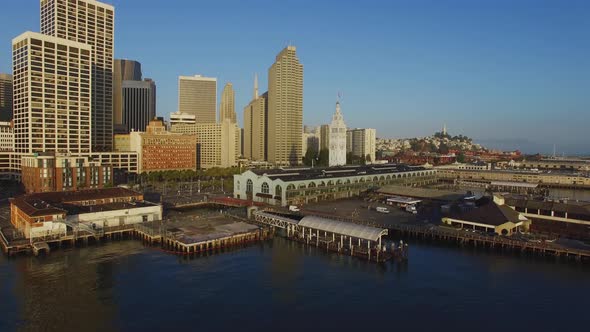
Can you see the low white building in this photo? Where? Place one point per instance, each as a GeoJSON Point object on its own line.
{"type": "Point", "coordinates": [58, 213]}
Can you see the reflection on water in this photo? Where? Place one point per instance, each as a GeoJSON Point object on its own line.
{"type": "Point", "coordinates": [122, 286]}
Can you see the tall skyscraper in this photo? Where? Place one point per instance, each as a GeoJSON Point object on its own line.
{"type": "Point", "coordinates": [139, 106]}
{"type": "Point", "coordinates": [285, 109]}
{"type": "Point", "coordinates": [124, 70]}
{"type": "Point", "coordinates": [198, 95]}
{"type": "Point", "coordinates": [255, 129]}
{"type": "Point", "coordinates": [5, 97]}
{"type": "Point", "coordinates": [52, 94]}
{"type": "Point", "coordinates": [337, 144]}
{"type": "Point", "coordinates": [90, 22]}
{"type": "Point", "coordinates": [255, 122]}
{"type": "Point", "coordinates": [227, 109]}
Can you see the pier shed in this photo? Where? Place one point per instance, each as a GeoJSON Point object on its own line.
{"type": "Point", "coordinates": [491, 217]}
{"type": "Point", "coordinates": [338, 235]}
{"type": "Point", "coordinates": [342, 228]}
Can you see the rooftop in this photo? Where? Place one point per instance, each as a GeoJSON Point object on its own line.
{"type": "Point", "coordinates": [61, 202]}
{"type": "Point", "coordinates": [580, 208]}
{"type": "Point", "coordinates": [303, 173]}
{"type": "Point", "coordinates": [490, 214]}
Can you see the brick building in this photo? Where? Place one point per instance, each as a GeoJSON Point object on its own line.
{"type": "Point", "coordinates": [159, 149]}
{"type": "Point", "coordinates": [47, 172]}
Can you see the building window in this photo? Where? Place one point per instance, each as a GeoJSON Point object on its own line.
{"type": "Point", "coordinates": [249, 186]}
{"type": "Point", "coordinates": [278, 191]}
{"type": "Point", "coordinates": [265, 189]}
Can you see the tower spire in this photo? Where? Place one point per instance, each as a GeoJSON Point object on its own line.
{"type": "Point", "coordinates": [255, 85]}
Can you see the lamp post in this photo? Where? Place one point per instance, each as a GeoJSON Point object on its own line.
{"type": "Point", "coordinates": [312, 160]}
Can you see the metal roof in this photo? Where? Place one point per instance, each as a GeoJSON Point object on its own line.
{"type": "Point", "coordinates": [514, 184]}
{"type": "Point", "coordinates": [306, 173]}
{"type": "Point", "coordinates": [343, 228]}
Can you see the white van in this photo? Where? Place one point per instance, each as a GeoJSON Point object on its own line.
{"type": "Point", "coordinates": [293, 208]}
{"type": "Point", "coordinates": [382, 209]}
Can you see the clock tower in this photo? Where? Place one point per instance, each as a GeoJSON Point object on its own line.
{"type": "Point", "coordinates": [337, 139]}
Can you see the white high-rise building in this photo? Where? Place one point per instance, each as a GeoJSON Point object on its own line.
{"type": "Point", "coordinates": [337, 143]}
{"type": "Point", "coordinates": [92, 23]}
{"type": "Point", "coordinates": [52, 94]}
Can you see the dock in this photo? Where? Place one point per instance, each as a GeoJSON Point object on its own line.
{"type": "Point", "coordinates": [190, 238]}
{"type": "Point", "coordinates": [435, 233]}
{"type": "Point", "coordinates": [181, 236]}
{"type": "Point", "coordinates": [334, 235]}
{"type": "Point", "coordinates": [493, 242]}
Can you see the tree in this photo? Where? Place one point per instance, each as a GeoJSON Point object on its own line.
{"type": "Point", "coordinates": [310, 155]}
{"type": "Point", "coordinates": [349, 158]}
{"type": "Point", "coordinates": [461, 157]}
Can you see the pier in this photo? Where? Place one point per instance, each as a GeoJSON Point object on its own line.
{"type": "Point", "coordinates": [334, 235]}
{"type": "Point", "coordinates": [188, 238]}
{"type": "Point", "coordinates": [462, 238]}
{"type": "Point", "coordinates": [492, 242]}
{"type": "Point", "coordinates": [181, 237]}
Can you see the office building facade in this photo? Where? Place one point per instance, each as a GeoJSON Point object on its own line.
{"type": "Point", "coordinates": [197, 95]}
{"type": "Point", "coordinates": [5, 97]}
{"type": "Point", "coordinates": [217, 143]}
{"type": "Point", "coordinates": [255, 131]}
{"type": "Point", "coordinates": [124, 70]}
{"type": "Point", "coordinates": [285, 109]}
{"type": "Point", "coordinates": [52, 94]}
{"type": "Point", "coordinates": [227, 108]}
{"type": "Point", "coordinates": [139, 104]}
{"type": "Point", "coordinates": [6, 136]}
{"type": "Point", "coordinates": [90, 22]}
{"type": "Point", "coordinates": [361, 143]}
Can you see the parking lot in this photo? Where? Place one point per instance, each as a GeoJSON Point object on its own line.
{"type": "Point", "coordinates": [357, 208]}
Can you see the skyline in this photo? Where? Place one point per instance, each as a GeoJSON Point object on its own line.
{"type": "Point", "coordinates": [521, 70]}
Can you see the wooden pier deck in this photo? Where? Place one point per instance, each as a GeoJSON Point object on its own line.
{"type": "Point", "coordinates": [494, 242]}
{"type": "Point", "coordinates": [178, 237]}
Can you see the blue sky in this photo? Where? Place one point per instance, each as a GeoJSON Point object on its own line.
{"type": "Point", "coordinates": [511, 74]}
